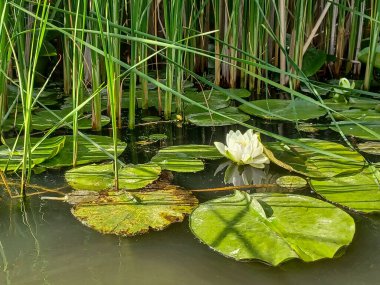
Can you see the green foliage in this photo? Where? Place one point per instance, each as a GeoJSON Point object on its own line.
{"type": "Point", "coordinates": [92, 149]}
{"type": "Point", "coordinates": [313, 60]}
{"type": "Point", "coordinates": [359, 192]}
{"type": "Point", "coordinates": [11, 155]}
{"type": "Point", "coordinates": [286, 110]}
{"type": "Point", "coordinates": [313, 164]}
{"type": "Point", "coordinates": [132, 213]}
{"type": "Point", "coordinates": [272, 228]}
{"type": "Point", "coordinates": [185, 158]}
{"type": "Point", "coordinates": [101, 177]}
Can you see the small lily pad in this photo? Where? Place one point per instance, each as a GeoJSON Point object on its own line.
{"type": "Point", "coordinates": [360, 192]}
{"type": "Point", "coordinates": [288, 110]}
{"type": "Point", "coordinates": [87, 151]}
{"type": "Point", "coordinates": [370, 147]}
{"type": "Point", "coordinates": [208, 119]}
{"type": "Point", "coordinates": [242, 93]}
{"type": "Point", "coordinates": [313, 164]}
{"type": "Point", "coordinates": [185, 158]}
{"type": "Point", "coordinates": [101, 177]}
{"type": "Point", "coordinates": [47, 149]}
{"type": "Point", "coordinates": [291, 182]}
{"type": "Point", "coordinates": [128, 214]}
{"type": "Point", "coordinates": [272, 228]}
{"type": "Point", "coordinates": [359, 130]}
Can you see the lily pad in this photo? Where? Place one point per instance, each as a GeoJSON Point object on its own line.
{"type": "Point", "coordinates": [242, 93]}
{"type": "Point", "coordinates": [370, 147]}
{"type": "Point", "coordinates": [44, 120]}
{"type": "Point", "coordinates": [360, 192]}
{"type": "Point", "coordinates": [207, 120]}
{"type": "Point", "coordinates": [185, 158]}
{"type": "Point", "coordinates": [313, 164]}
{"type": "Point", "coordinates": [87, 151]}
{"type": "Point", "coordinates": [291, 182]}
{"type": "Point", "coordinates": [129, 214]}
{"type": "Point", "coordinates": [101, 177]}
{"type": "Point", "coordinates": [214, 101]}
{"type": "Point", "coordinates": [287, 110]}
{"type": "Point", "coordinates": [358, 114]}
{"type": "Point", "coordinates": [349, 128]}
{"type": "Point", "coordinates": [47, 149]}
{"type": "Point", "coordinates": [272, 228]}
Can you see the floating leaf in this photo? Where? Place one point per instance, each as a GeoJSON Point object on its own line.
{"type": "Point", "coordinates": [242, 93]}
{"type": "Point", "coordinates": [206, 119]}
{"type": "Point", "coordinates": [349, 128]}
{"type": "Point", "coordinates": [44, 120]}
{"type": "Point", "coordinates": [129, 214]}
{"type": "Point", "coordinates": [370, 147]}
{"type": "Point", "coordinates": [87, 151]}
{"type": "Point", "coordinates": [290, 110]}
{"type": "Point", "coordinates": [185, 158]}
{"type": "Point", "coordinates": [313, 164]}
{"type": "Point", "coordinates": [47, 149]}
{"type": "Point", "coordinates": [293, 227]}
{"type": "Point", "coordinates": [358, 114]}
{"type": "Point", "coordinates": [101, 177]}
{"type": "Point", "coordinates": [214, 101]}
{"type": "Point", "coordinates": [360, 191]}
{"type": "Point", "coordinates": [291, 182]}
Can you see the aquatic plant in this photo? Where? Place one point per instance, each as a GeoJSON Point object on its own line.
{"type": "Point", "coordinates": [244, 149]}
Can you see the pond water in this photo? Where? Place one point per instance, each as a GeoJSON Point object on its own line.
{"type": "Point", "coordinates": [42, 243]}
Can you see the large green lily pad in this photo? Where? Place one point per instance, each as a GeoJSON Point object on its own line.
{"type": "Point", "coordinates": [287, 110]}
{"type": "Point", "coordinates": [87, 151]}
{"type": "Point", "coordinates": [207, 119]}
{"type": "Point", "coordinates": [47, 149]}
{"type": "Point", "coordinates": [44, 120]}
{"type": "Point", "coordinates": [101, 177]}
{"type": "Point", "coordinates": [360, 192]}
{"type": "Point", "coordinates": [314, 164]}
{"type": "Point", "coordinates": [129, 214]}
{"type": "Point", "coordinates": [185, 158]}
{"type": "Point", "coordinates": [272, 228]}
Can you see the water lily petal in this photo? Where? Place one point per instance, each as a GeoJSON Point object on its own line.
{"type": "Point", "coordinates": [221, 148]}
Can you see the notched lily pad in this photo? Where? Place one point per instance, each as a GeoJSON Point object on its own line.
{"type": "Point", "coordinates": [87, 152]}
{"type": "Point", "coordinates": [128, 214]}
{"type": "Point", "coordinates": [286, 110]}
{"type": "Point", "coordinates": [313, 164]}
{"type": "Point", "coordinates": [291, 227]}
{"type": "Point", "coordinates": [360, 192]}
{"type": "Point", "coordinates": [185, 158]}
{"type": "Point", "coordinates": [11, 160]}
{"type": "Point", "coordinates": [206, 119]}
{"type": "Point", "coordinates": [101, 177]}
{"type": "Point", "coordinates": [370, 147]}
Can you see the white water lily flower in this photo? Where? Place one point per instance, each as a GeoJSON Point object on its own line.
{"type": "Point", "coordinates": [244, 149]}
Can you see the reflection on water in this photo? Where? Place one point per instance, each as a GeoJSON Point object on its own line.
{"type": "Point", "coordinates": [239, 175]}
{"type": "Point", "coordinates": [42, 243]}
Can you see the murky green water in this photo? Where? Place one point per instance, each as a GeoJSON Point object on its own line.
{"type": "Point", "coordinates": [42, 243]}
